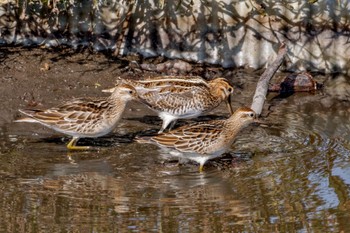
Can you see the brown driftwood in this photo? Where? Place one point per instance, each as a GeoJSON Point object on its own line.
{"type": "Point", "coordinates": [263, 83]}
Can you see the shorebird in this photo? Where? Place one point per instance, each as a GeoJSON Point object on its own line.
{"type": "Point", "coordinates": [92, 117]}
{"type": "Point", "coordinates": [174, 97]}
{"type": "Point", "coordinates": [202, 141]}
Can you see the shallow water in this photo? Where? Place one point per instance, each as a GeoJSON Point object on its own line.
{"type": "Point", "coordinates": [290, 175]}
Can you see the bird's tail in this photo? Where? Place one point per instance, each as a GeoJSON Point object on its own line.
{"type": "Point", "coordinates": [28, 118]}
{"type": "Point", "coordinates": [143, 139]}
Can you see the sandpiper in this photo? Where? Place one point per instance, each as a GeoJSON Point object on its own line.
{"type": "Point", "coordinates": [174, 97]}
{"type": "Point", "coordinates": [92, 117]}
{"type": "Point", "coordinates": [202, 141]}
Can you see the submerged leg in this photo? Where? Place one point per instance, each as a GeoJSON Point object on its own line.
{"type": "Point", "coordinates": [71, 145]}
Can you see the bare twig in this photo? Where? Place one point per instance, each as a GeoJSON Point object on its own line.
{"type": "Point", "coordinates": [263, 83]}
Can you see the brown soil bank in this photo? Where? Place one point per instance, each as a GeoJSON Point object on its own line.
{"type": "Point", "coordinates": [34, 77]}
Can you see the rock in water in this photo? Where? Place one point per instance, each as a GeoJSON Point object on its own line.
{"type": "Point", "coordinates": [302, 82]}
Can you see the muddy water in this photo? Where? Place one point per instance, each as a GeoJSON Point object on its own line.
{"type": "Point", "coordinates": [291, 175]}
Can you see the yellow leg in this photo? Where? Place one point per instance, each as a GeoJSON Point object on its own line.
{"type": "Point", "coordinates": [71, 145]}
{"type": "Point", "coordinates": [201, 168]}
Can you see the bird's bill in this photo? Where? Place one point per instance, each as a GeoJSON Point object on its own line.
{"type": "Point", "coordinates": [142, 100]}
{"type": "Point", "coordinates": [260, 122]}
{"type": "Point", "coordinates": [110, 90]}
{"type": "Point", "coordinates": [228, 104]}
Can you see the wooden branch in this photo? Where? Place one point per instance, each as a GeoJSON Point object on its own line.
{"type": "Point", "coordinates": [263, 83]}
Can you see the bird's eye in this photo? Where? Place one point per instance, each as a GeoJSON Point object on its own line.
{"type": "Point", "coordinates": [230, 89]}
{"type": "Point", "coordinates": [251, 114]}
{"type": "Point", "coordinates": [131, 92]}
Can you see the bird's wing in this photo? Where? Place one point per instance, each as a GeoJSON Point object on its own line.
{"type": "Point", "coordinates": [191, 138]}
{"type": "Point", "coordinates": [158, 83]}
{"type": "Point", "coordinates": [172, 80]}
{"type": "Point", "coordinates": [171, 99]}
{"type": "Point", "coordinates": [70, 115]}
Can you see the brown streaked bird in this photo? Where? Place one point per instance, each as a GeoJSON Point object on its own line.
{"type": "Point", "coordinates": [174, 97]}
{"type": "Point", "coordinates": [86, 117]}
{"type": "Point", "coordinates": [202, 141]}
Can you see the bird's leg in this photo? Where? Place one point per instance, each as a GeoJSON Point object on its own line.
{"type": "Point", "coordinates": [201, 165]}
{"type": "Point", "coordinates": [161, 131]}
{"type": "Point", "coordinates": [164, 125]}
{"type": "Point", "coordinates": [172, 125]}
{"type": "Point", "coordinates": [72, 145]}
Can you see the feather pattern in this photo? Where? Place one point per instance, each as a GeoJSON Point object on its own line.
{"type": "Point", "coordinates": [86, 117]}
{"type": "Point", "coordinates": [197, 137]}
{"type": "Point", "coordinates": [204, 140]}
{"type": "Point", "coordinates": [181, 97]}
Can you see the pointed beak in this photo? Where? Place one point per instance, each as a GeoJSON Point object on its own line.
{"type": "Point", "coordinates": [260, 122]}
{"type": "Point", "coordinates": [142, 100]}
{"type": "Point", "coordinates": [110, 90]}
{"type": "Point", "coordinates": [228, 104]}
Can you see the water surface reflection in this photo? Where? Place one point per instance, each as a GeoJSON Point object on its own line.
{"type": "Point", "coordinates": [296, 177]}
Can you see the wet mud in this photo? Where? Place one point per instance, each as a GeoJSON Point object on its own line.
{"type": "Point", "coordinates": [290, 174]}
